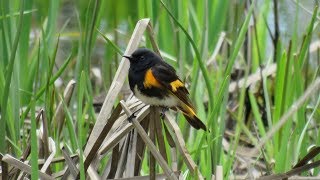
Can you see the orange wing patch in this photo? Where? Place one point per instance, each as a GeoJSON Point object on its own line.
{"type": "Point", "coordinates": [150, 81]}
{"type": "Point", "coordinates": [176, 84]}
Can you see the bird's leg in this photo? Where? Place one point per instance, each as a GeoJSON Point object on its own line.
{"type": "Point", "coordinates": [163, 112]}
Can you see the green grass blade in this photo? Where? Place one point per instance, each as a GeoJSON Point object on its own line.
{"type": "Point", "coordinates": [198, 56]}
{"type": "Point", "coordinates": [52, 80]}
{"type": "Point", "coordinates": [34, 143]}
{"type": "Point", "coordinates": [80, 120]}
{"type": "Point", "coordinates": [70, 126]}
{"type": "Point", "coordinates": [8, 74]}
{"type": "Point", "coordinates": [306, 42]}
{"type": "Point", "coordinates": [114, 46]}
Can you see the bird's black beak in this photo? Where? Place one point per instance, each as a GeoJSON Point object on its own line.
{"type": "Point", "coordinates": [128, 57]}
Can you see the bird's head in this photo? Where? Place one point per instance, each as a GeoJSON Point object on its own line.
{"type": "Point", "coordinates": [142, 56]}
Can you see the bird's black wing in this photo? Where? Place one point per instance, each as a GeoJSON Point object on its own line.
{"type": "Point", "coordinates": [166, 75]}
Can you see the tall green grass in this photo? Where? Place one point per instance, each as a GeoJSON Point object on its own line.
{"type": "Point", "coordinates": [34, 34]}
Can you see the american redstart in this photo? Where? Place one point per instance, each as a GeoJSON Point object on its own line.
{"type": "Point", "coordinates": [155, 82]}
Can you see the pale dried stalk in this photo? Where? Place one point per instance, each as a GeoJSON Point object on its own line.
{"type": "Point", "coordinates": [59, 115]}
{"type": "Point", "coordinates": [69, 161]}
{"type": "Point", "coordinates": [253, 78]}
{"type": "Point", "coordinates": [52, 149]}
{"type": "Point", "coordinates": [160, 137]}
{"type": "Point", "coordinates": [153, 39]}
{"type": "Point", "coordinates": [149, 144]}
{"type": "Point", "coordinates": [314, 88]}
{"type": "Point", "coordinates": [219, 173]}
{"type": "Point", "coordinates": [116, 85]}
{"type": "Point", "coordinates": [4, 169]}
{"type": "Point", "coordinates": [105, 130]}
{"type": "Point", "coordinates": [213, 57]}
{"type": "Point", "coordinates": [174, 159]}
{"type": "Point", "coordinates": [114, 140]}
{"type": "Point", "coordinates": [158, 177]}
{"type": "Point", "coordinates": [132, 154]}
{"type": "Point", "coordinates": [22, 166]}
{"type": "Point", "coordinates": [140, 149]}
{"type": "Point", "coordinates": [123, 158]}
{"type": "Point", "coordinates": [178, 138]}
{"type": "Point", "coordinates": [152, 161]}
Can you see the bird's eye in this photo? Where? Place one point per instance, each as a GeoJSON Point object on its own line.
{"type": "Point", "coordinates": [142, 58]}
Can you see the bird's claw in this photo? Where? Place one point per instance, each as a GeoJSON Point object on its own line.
{"type": "Point", "coordinates": [132, 116]}
{"type": "Point", "coordinates": [163, 112]}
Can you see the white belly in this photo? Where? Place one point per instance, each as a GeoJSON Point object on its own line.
{"type": "Point", "coordinates": [169, 101]}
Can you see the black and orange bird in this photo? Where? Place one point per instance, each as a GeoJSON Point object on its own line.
{"type": "Point", "coordinates": [155, 82]}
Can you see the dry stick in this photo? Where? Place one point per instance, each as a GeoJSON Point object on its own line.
{"type": "Point", "coordinates": [309, 92]}
{"type": "Point", "coordinates": [59, 115]}
{"type": "Point", "coordinates": [123, 157]}
{"type": "Point", "coordinates": [160, 138]}
{"type": "Point", "coordinates": [121, 123]}
{"type": "Point", "coordinates": [114, 162]}
{"type": "Point", "coordinates": [114, 140]}
{"type": "Point", "coordinates": [276, 28]}
{"type": "Point", "coordinates": [312, 154]}
{"type": "Point", "coordinates": [244, 177]}
{"type": "Point", "coordinates": [52, 148]}
{"type": "Point", "coordinates": [105, 130]}
{"type": "Point", "coordinates": [314, 46]}
{"type": "Point", "coordinates": [213, 57]}
{"type": "Point", "coordinates": [64, 174]}
{"type": "Point", "coordinates": [182, 145]}
{"type": "Point", "coordinates": [302, 166]}
{"type": "Point", "coordinates": [292, 172]}
{"type": "Point", "coordinates": [4, 169]}
{"type": "Point", "coordinates": [56, 160]}
{"type": "Point", "coordinates": [71, 165]}
{"type": "Point", "coordinates": [149, 143]}
{"type": "Point", "coordinates": [45, 140]}
{"type": "Point", "coordinates": [131, 154]}
{"type": "Point", "coordinates": [27, 151]}
{"type": "Point", "coordinates": [173, 149]}
{"type": "Point", "coordinates": [96, 145]}
{"type": "Point", "coordinates": [174, 159]}
{"type": "Point", "coordinates": [304, 8]}
{"type": "Point", "coordinates": [219, 173]}
{"type": "Point", "coordinates": [152, 162]}
{"type": "Point", "coordinates": [59, 174]}
{"type": "Point", "coordinates": [22, 166]}
{"type": "Point", "coordinates": [91, 172]}
{"type": "Point", "coordinates": [158, 176]}
{"type": "Point", "coordinates": [253, 78]}
{"type": "Point", "coordinates": [152, 39]}
{"type": "Point", "coordinates": [116, 85]}
{"type": "Point", "coordinates": [169, 137]}
{"type": "Point", "coordinates": [141, 146]}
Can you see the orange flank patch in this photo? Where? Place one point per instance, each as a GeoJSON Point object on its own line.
{"type": "Point", "coordinates": [176, 84]}
{"type": "Point", "coordinates": [150, 81]}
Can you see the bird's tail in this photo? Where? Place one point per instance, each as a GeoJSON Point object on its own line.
{"type": "Point", "coordinates": [191, 117]}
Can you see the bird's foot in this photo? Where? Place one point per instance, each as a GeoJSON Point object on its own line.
{"type": "Point", "coordinates": [163, 112]}
{"type": "Point", "coordinates": [131, 117]}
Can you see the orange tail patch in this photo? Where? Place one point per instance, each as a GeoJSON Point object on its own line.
{"type": "Point", "coordinates": [192, 118]}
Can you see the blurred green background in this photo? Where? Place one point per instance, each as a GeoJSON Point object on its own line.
{"type": "Point", "coordinates": [57, 40]}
